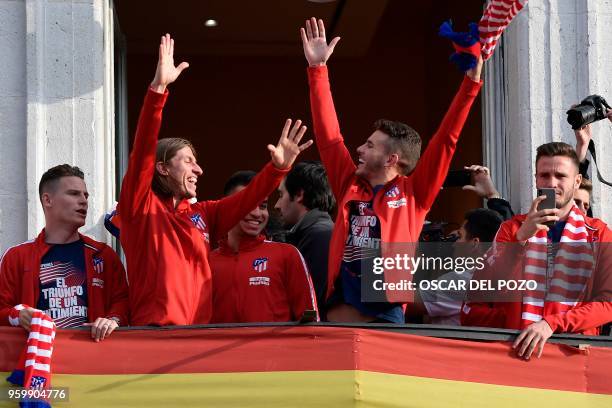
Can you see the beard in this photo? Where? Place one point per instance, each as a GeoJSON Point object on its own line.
{"type": "Point", "coordinates": [565, 200]}
{"type": "Point", "coordinates": [370, 169]}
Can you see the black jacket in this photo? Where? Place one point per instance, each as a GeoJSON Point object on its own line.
{"type": "Point", "coordinates": [311, 235]}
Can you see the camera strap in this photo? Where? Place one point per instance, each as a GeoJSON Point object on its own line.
{"type": "Point", "coordinates": [594, 155]}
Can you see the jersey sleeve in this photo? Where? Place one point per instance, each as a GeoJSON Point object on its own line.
{"type": "Point", "coordinates": [136, 186]}
{"type": "Point", "coordinates": [300, 290]}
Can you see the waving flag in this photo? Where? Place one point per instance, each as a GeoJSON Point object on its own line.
{"type": "Point", "coordinates": [482, 38]}
{"type": "Point", "coordinates": [497, 16]}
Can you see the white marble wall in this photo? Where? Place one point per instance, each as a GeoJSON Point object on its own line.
{"type": "Point", "coordinates": [557, 52]}
{"type": "Point", "coordinates": [60, 53]}
{"type": "Point", "coordinates": [13, 193]}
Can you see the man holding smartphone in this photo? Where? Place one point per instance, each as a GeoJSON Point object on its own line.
{"type": "Point", "coordinates": [558, 253]}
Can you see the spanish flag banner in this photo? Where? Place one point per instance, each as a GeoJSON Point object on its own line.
{"type": "Point", "coordinates": [311, 366]}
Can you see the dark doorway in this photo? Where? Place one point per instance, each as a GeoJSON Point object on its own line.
{"type": "Point", "coordinates": [247, 76]}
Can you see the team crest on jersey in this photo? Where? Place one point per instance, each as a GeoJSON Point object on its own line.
{"type": "Point", "coordinates": [393, 192]}
{"type": "Point", "coordinates": [260, 264]}
{"type": "Point", "coordinates": [200, 225]}
{"type": "Point", "coordinates": [98, 265]}
{"type": "Point", "coordinates": [198, 221]}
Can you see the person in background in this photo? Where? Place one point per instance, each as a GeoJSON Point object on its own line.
{"type": "Point", "coordinates": [305, 202]}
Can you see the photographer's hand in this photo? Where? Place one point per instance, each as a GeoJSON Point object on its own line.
{"type": "Point", "coordinates": [535, 220]}
{"type": "Point", "coordinates": [583, 137]}
{"type": "Point", "coordinates": [483, 185]}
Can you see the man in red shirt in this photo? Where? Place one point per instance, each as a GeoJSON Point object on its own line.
{"type": "Point", "coordinates": [165, 237]}
{"type": "Point", "coordinates": [70, 277]}
{"type": "Point", "coordinates": [385, 198]}
{"type": "Point", "coordinates": [561, 249]}
{"type": "Point", "coordinates": [255, 280]}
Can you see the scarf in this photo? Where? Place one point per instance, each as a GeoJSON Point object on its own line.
{"type": "Point", "coordinates": [34, 367]}
{"type": "Point", "coordinates": [562, 289]}
{"type": "Point", "coordinates": [481, 38]}
{"type": "Point", "coordinates": [497, 16]}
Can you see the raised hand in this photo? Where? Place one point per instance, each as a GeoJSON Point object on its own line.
{"type": "Point", "coordinates": [288, 147]}
{"type": "Point", "coordinates": [474, 73]}
{"type": "Point", "coordinates": [483, 185]}
{"type": "Point", "coordinates": [166, 72]}
{"type": "Point", "coordinates": [316, 49]}
{"type": "Point", "coordinates": [583, 137]}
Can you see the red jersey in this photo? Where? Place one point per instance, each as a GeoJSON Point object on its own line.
{"type": "Point", "coordinates": [167, 248]}
{"type": "Point", "coordinates": [402, 204]}
{"type": "Point", "coordinates": [263, 282]}
{"type": "Point", "coordinates": [584, 318]}
{"type": "Point", "coordinates": [107, 291]}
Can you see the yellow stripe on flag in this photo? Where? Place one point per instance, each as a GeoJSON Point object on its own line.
{"type": "Point", "coordinates": [304, 389]}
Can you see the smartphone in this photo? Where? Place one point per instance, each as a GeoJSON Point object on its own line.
{"type": "Point", "coordinates": [548, 203]}
{"type": "Point", "coordinates": [458, 178]}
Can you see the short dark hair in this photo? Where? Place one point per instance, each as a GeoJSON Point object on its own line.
{"type": "Point", "coordinates": [239, 178]}
{"type": "Point", "coordinates": [310, 177]}
{"type": "Point", "coordinates": [557, 149]}
{"type": "Point", "coordinates": [404, 140]}
{"type": "Point", "coordinates": [165, 151]}
{"type": "Point", "coordinates": [48, 181]}
{"type": "Point", "coordinates": [586, 185]}
{"type": "Point", "coordinates": [482, 223]}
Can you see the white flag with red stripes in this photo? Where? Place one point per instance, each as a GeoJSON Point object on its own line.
{"type": "Point", "coordinates": [497, 16]}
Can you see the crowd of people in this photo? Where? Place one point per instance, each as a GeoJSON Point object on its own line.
{"type": "Point", "coordinates": [191, 262]}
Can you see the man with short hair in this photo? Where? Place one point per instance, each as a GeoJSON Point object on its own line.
{"type": "Point", "coordinates": [573, 276]}
{"type": "Point", "coordinates": [582, 196]}
{"type": "Point", "coordinates": [70, 277]}
{"type": "Point", "coordinates": [385, 198]}
{"type": "Point", "coordinates": [304, 203]}
{"type": "Point", "coordinates": [255, 280]}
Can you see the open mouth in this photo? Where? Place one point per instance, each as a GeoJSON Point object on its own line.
{"type": "Point", "coordinates": [253, 222]}
{"type": "Point", "coordinates": [192, 180]}
{"type": "Point", "coordinates": [82, 212]}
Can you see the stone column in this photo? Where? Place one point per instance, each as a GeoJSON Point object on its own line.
{"type": "Point", "coordinates": [556, 53]}
{"type": "Point", "coordinates": [61, 83]}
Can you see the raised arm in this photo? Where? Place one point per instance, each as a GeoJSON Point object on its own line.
{"type": "Point", "coordinates": [334, 154]}
{"type": "Point", "coordinates": [136, 184]}
{"type": "Point", "coordinates": [226, 213]}
{"type": "Point", "coordinates": [433, 165]}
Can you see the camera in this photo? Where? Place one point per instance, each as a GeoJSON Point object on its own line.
{"type": "Point", "coordinates": [591, 109]}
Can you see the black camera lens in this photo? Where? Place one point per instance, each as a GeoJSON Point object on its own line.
{"type": "Point", "coordinates": [591, 109]}
{"type": "Point", "coordinates": [581, 115]}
